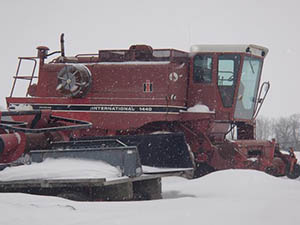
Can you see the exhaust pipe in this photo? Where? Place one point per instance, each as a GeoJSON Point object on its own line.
{"type": "Point", "coordinates": [62, 45]}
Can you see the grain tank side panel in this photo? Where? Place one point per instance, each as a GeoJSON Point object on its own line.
{"type": "Point", "coordinates": [121, 95]}
{"type": "Point", "coordinates": [131, 81]}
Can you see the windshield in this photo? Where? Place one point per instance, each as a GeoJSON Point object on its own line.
{"type": "Point", "coordinates": [248, 88]}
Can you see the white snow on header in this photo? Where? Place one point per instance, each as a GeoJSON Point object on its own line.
{"type": "Point", "coordinates": [199, 108]}
{"type": "Point", "coordinates": [61, 169]}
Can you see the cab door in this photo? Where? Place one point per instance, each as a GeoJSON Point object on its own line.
{"type": "Point", "coordinates": [201, 85]}
{"type": "Point", "coordinates": [228, 68]}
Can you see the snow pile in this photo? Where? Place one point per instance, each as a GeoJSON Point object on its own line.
{"type": "Point", "coordinates": [237, 184]}
{"type": "Point", "coordinates": [60, 169]}
{"type": "Point", "coordinates": [199, 108]}
{"type": "Point", "coordinates": [232, 197]}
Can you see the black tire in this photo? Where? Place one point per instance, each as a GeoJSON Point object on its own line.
{"type": "Point", "coordinates": [272, 171]}
{"type": "Point", "coordinates": [202, 169]}
{"type": "Point", "coordinates": [296, 172]}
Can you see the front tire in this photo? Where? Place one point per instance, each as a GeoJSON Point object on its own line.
{"type": "Point", "coordinates": [202, 169]}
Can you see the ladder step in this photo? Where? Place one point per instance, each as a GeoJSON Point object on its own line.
{"type": "Point", "coordinates": [25, 77]}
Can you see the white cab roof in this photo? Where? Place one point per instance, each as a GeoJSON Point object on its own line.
{"type": "Point", "coordinates": [254, 49]}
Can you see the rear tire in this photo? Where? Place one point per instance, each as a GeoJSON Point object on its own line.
{"type": "Point", "coordinates": [296, 172]}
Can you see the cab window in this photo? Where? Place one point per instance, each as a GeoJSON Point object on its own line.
{"type": "Point", "coordinates": [228, 66]}
{"type": "Point", "coordinates": [202, 69]}
{"type": "Point", "coordinates": [248, 88]}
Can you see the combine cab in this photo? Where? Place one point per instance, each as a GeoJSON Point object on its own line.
{"type": "Point", "coordinates": [176, 108]}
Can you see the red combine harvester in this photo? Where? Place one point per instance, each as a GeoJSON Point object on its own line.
{"type": "Point", "coordinates": [175, 107]}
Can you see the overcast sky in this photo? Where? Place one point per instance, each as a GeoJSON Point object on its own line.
{"type": "Point", "coordinates": [93, 25]}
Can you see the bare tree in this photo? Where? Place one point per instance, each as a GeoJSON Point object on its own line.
{"type": "Point", "coordinates": [264, 128]}
{"type": "Point", "coordinates": [286, 130]}
{"type": "Point", "coordinates": [283, 132]}
{"type": "Point", "coordinates": [294, 121]}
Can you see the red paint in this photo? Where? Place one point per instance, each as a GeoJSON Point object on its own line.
{"type": "Point", "coordinates": [132, 90]}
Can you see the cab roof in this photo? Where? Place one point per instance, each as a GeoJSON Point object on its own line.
{"type": "Point", "coordinates": [254, 49]}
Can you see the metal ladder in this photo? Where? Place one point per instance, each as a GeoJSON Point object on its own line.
{"type": "Point", "coordinates": [24, 77]}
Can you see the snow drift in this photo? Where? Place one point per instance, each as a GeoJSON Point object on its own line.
{"type": "Point", "coordinates": [232, 197]}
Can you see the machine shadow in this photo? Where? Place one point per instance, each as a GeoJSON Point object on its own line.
{"type": "Point", "coordinates": [176, 194]}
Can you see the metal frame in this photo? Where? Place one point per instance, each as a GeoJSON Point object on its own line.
{"type": "Point", "coordinates": [15, 126]}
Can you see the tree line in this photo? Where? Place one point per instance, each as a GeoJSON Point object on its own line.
{"type": "Point", "coordinates": [286, 130]}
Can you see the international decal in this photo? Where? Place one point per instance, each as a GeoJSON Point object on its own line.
{"type": "Point", "coordinates": [148, 86]}
{"type": "Point", "coordinates": [101, 108]}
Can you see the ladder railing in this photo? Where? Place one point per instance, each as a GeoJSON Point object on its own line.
{"type": "Point", "coordinates": [24, 77]}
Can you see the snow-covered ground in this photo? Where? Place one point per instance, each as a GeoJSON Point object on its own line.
{"type": "Point", "coordinates": [232, 197]}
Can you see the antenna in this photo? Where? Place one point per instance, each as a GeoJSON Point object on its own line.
{"type": "Point", "coordinates": [189, 35]}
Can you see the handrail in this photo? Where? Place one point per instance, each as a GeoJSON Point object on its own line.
{"type": "Point", "coordinates": [30, 78]}
{"type": "Point", "coordinates": [261, 99]}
